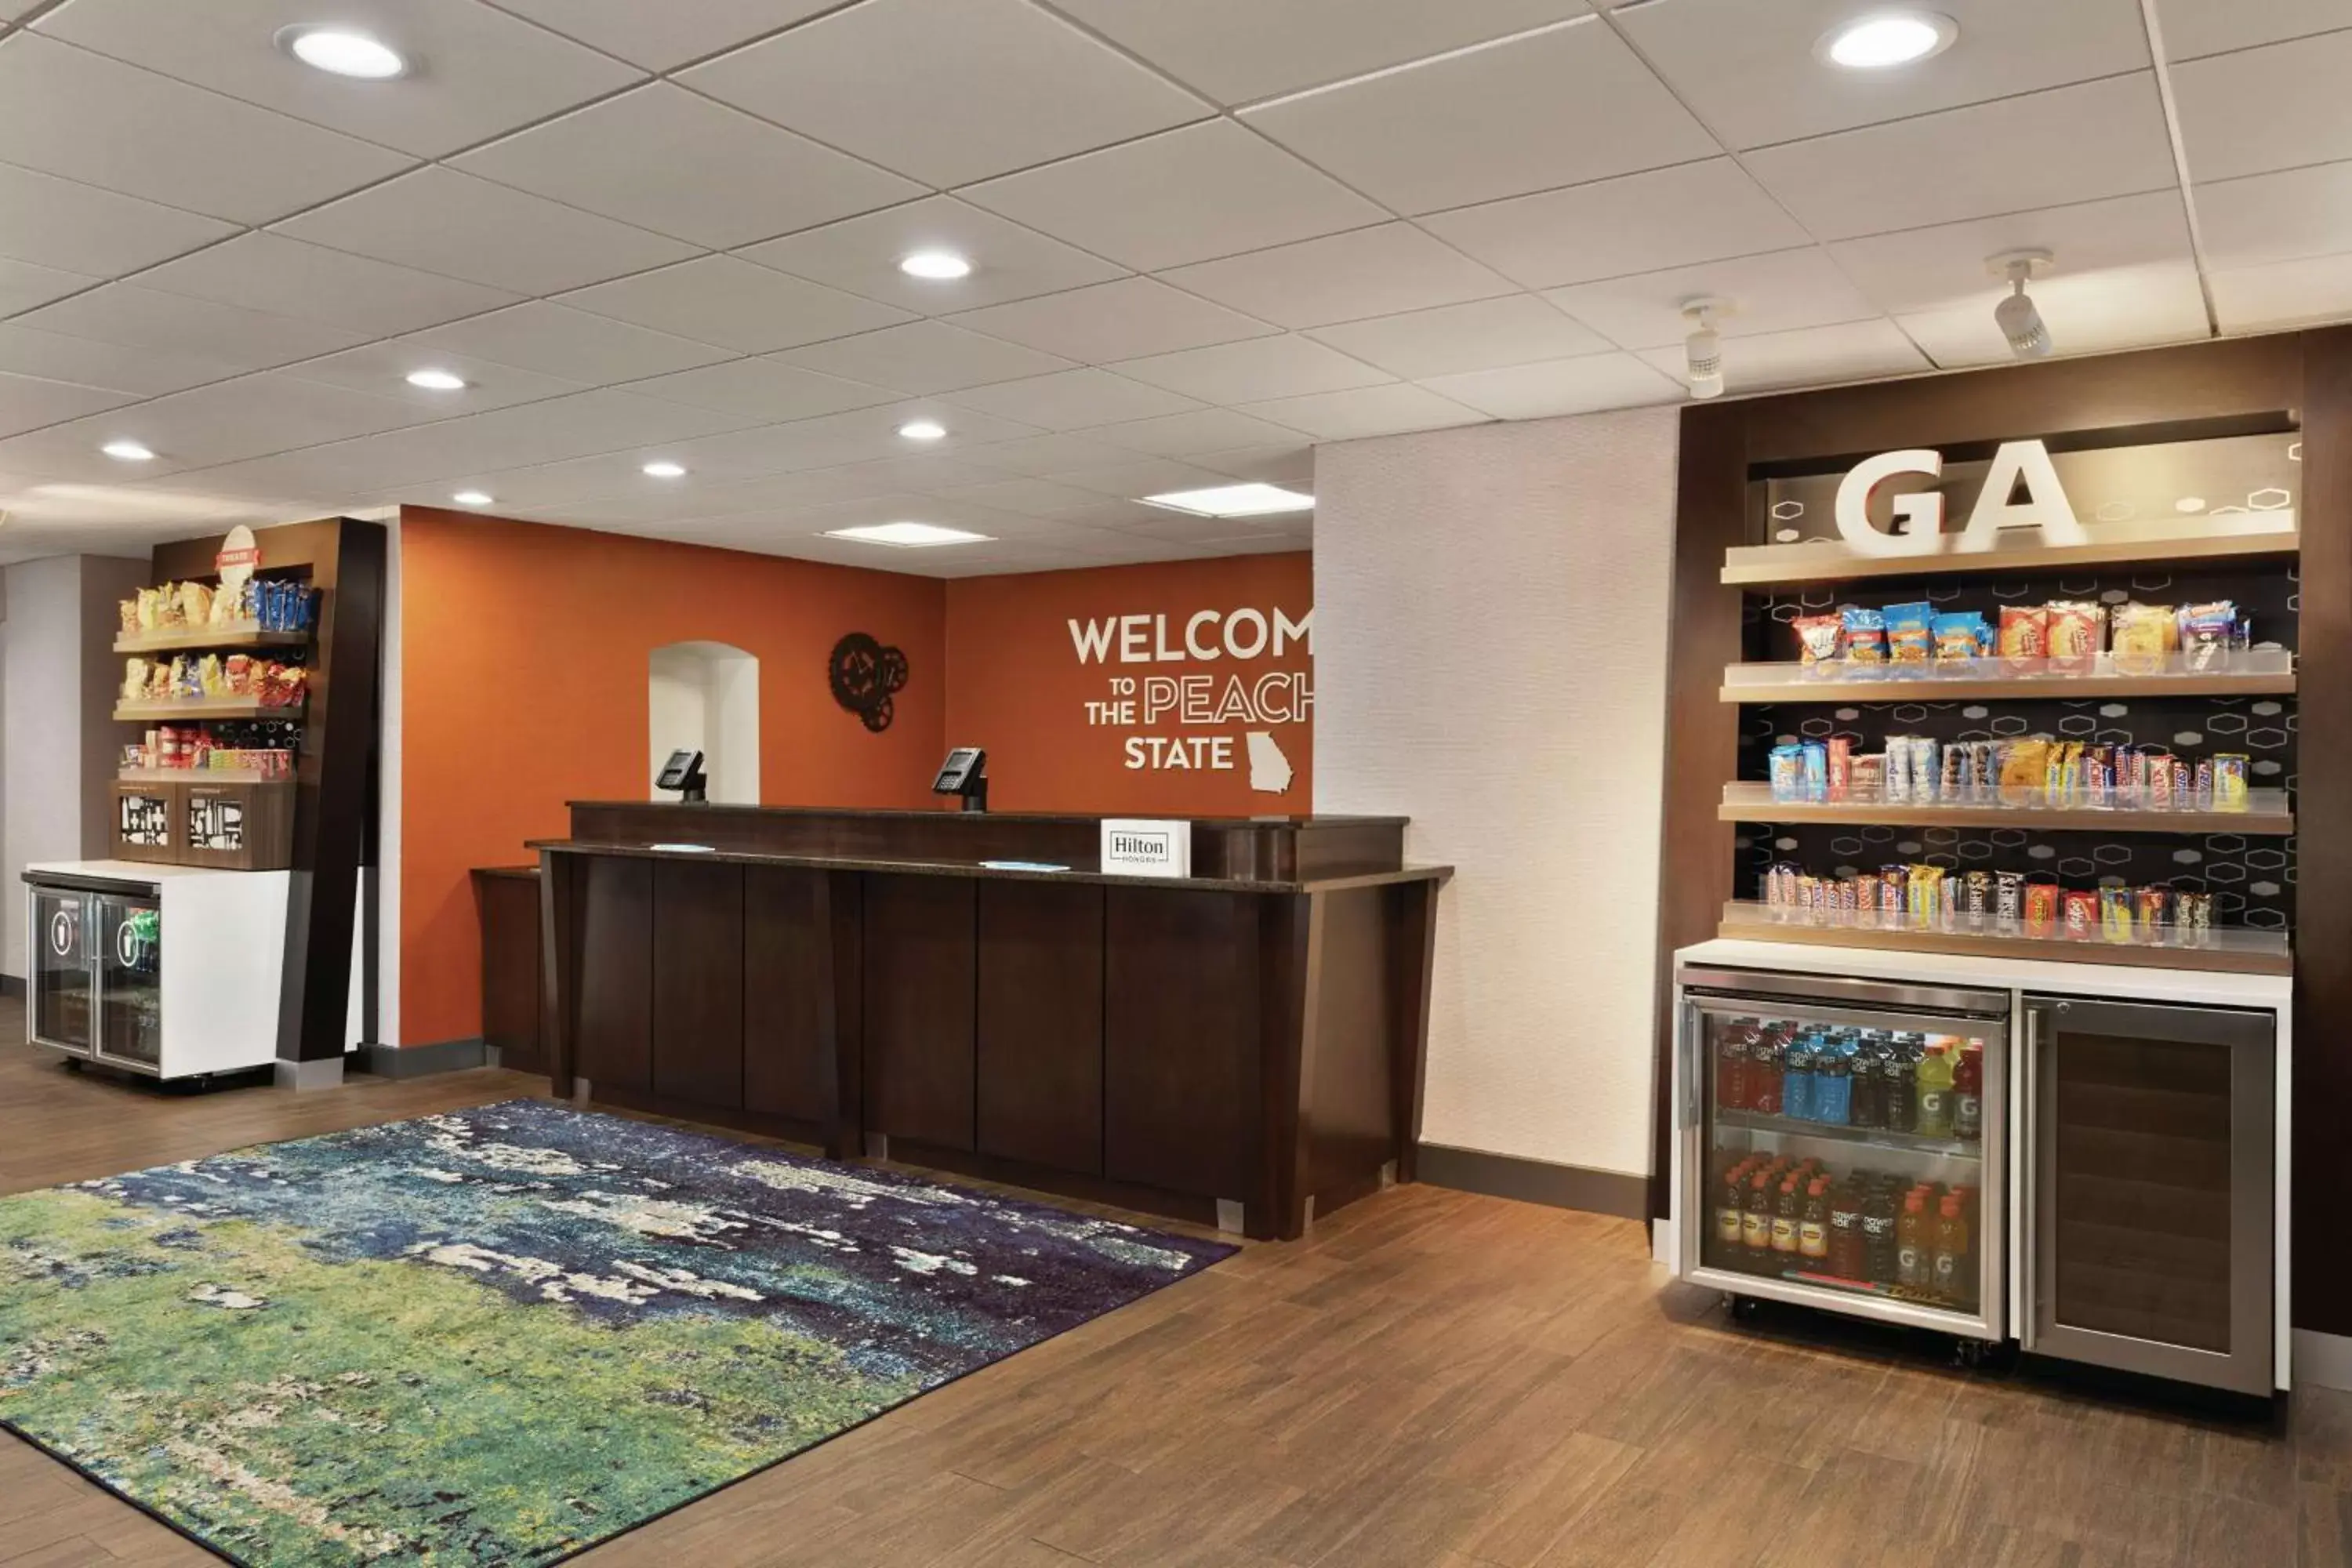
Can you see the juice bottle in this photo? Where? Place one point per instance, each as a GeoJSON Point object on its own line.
{"type": "Point", "coordinates": [1968, 1093]}
{"type": "Point", "coordinates": [1952, 1277]}
{"type": "Point", "coordinates": [1732, 1044]}
{"type": "Point", "coordinates": [1788, 1215]}
{"type": "Point", "coordinates": [1755, 1223]}
{"type": "Point", "coordinates": [1912, 1265]}
{"type": "Point", "coordinates": [1845, 1230]}
{"type": "Point", "coordinates": [1878, 1256]}
{"type": "Point", "coordinates": [1813, 1228]}
{"type": "Point", "coordinates": [1935, 1077]}
{"type": "Point", "coordinates": [1764, 1061]}
{"type": "Point", "coordinates": [1728, 1210]}
{"type": "Point", "coordinates": [1899, 1094]}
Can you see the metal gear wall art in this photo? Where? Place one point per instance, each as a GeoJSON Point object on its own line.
{"type": "Point", "coordinates": [866, 675]}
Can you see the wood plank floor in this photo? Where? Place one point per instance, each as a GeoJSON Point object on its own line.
{"type": "Point", "coordinates": [1431, 1380]}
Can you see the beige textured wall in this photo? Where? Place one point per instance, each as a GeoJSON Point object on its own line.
{"type": "Point", "coordinates": [1491, 623]}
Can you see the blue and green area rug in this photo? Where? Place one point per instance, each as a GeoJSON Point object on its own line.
{"type": "Point", "coordinates": [502, 1335]}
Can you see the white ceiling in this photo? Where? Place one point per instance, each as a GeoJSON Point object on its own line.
{"type": "Point", "coordinates": [1208, 235]}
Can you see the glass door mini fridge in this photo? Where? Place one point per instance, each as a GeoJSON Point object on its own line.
{"type": "Point", "coordinates": [98, 984]}
{"type": "Point", "coordinates": [1843, 1144]}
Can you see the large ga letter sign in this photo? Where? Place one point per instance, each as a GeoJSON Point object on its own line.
{"type": "Point", "coordinates": [1920, 513]}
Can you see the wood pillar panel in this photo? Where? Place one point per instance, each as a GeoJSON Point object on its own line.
{"type": "Point", "coordinates": [800, 996]}
{"type": "Point", "coordinates": [1180, 1020]}
{"type": "Point", "coordinates": [507, 899]}
{"type": "Point", "coordinates": [697, 984]}
{"type": "Point", "coordinates": [1040, 1026]}
{"type": "Point", "coordinates": [918, 982]}
{"type": "Point", "coordinates": [1348, 1119]}
{"type": "Point", "coordinates": [613, 1029]}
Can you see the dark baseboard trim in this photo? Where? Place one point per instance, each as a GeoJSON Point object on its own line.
{"type": "Point", "coordinates": [1535, 1181]}
{"type": "Point", "coordinates": [416, 1061]}
{"type": "Point", "coordinates": [12, 985]}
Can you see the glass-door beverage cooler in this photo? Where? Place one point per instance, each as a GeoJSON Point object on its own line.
{"type": "Point", "coordinates": [97, 982]}
{"type": "Point", "coordinates": [1843, 1145]}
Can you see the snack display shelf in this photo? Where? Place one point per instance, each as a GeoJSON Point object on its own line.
{"type": "Point", "coordinates": [246, 636]}
{"type": "Point", "coordinates": [2233, 536]}
{"type": "Point", "coordinates": [1842, 1132]}
{"type": "Point", "coordinates": [2234, 950]}
{"type": "Point", "coordinates": [199, 776]}
{"type": "Point", "coordinates": [2252, 672]}
{"type": "Point", "coordinates": [208, 708]}
{"type": "Point", "coordinates": [2267, 812]}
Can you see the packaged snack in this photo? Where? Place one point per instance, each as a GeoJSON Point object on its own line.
{"type": "Point", "coordinates": [229, 606]}
{"type": "Point", "coordinates": [196, 604]}
{"type": "Point", "coordinates": [2082, 915]}
{"type": "Point", "coordinates": [2041, 909]}
{"type": "Point", "coordinates": [2007, 897]}
{"type": "Point", "coordinates": [2144, 635]}
{"type": "Point", "coordinates": [1895, 784]}
{"type": "Point", "coordinates": [1866, 635]}
{"type": "Point", "coordinates": [1892, 888]}
{"type": "Point", "coordinates": [2157, 793]}
{"type": "Point", "coordinates": [1926, 767]}
{"type": "Point", "coordinates": [1910, 633]}
{"type": "Point", "coordinates": [1958, 778]}
{"type": "Point", "coordinates": [2116, 914]}
{"type": "Point", "coordinates": [1867, 777]}
{"type": "Point", "coordinates": [1927, 894]}
{"type": "Point", "coordinates": [2192, 911]}
{"type": "Point", "coordinates": [2202, 785]}
{"type": "Point", "coordinates": [2148, 909]}
{"type": "Point", "coordinates": [236, 672]}
{"type": "Point", "coordinates": [1815, 757]}
{"type": "Point", "coordinates": [1957, 637]}
{"type": "Point", "coordinates": [128, 610]}
{"type": "Point", "coordinates": [2024, 636]}
{"type": "Point", "coordinates": [134, 680]}
{"type": "Point", "coordinates": [1788, 772]}
{"type": "Point", "coordinates": [1840, 766]}
{"type": "Point", "coordinates": [1817, 638]}
{"type": "Point", "coordinates": [2208, 633]}
{"type": "Point", "coordinates": [2184, 784]}
{"type": "Point", "coordinates": [2025, 771]}
{"type": "Point", "coordinates": [2098, 775]}
{"type": "Point", "coordinates": [1977, 895]}
{"type": "Point", "coordinates": [209, 677]}
{"type": "Point", "coordinates": [2076, 630]}
{"type": "Point", "coordinates": [2230, 787]}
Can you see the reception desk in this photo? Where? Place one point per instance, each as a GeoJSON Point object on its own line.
{"type": "Point", "coordinates": [1242, 1047]}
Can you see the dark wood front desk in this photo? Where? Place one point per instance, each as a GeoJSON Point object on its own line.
{"type": "Point", "coordinates": [1251, 1035]}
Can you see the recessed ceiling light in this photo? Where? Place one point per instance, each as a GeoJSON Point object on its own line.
{"type": "Point", "coordinates": [922, 430]}
{"type": "Point", "coordinates": [343, 52]}
{"type": "Point", "coordinates": [436, 380]}
{"type": "Point", "coordinates": [666, 470]}
{"type": "Point", "coordinates": [939, 266]}
{"type": "Point", "coordinates": [128, 451]}
{"type": "Point", "coordinates": [1884, 38]}
{"type": "Point", "coordinates": [1234, 500]}
{"type": "Point", "coordinates": [472, 497]}
{"type": "Point", "coordinates": [907, 535]}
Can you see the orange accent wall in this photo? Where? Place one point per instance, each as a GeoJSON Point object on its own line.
{"type": "Point", "coordinates": [523, 656]}
{"type": "Point", "coordinates": [1017, 686]}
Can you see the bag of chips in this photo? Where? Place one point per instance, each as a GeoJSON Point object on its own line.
{"type": "Point", "coordinates": [2024, 638]}
{"type": "Point", "coordinates": [2144, 635]}
{"type": "Point", "coordinates": [1818, 637]}
{"type": "Point", "coordinates": [1910, 633]}
{"type": "Point", "coordinates": [1866, 635]}
{"type": "Point", "coordinates": [1959, 637]}
{"type": "Point", "coordinates": [2077, 630]}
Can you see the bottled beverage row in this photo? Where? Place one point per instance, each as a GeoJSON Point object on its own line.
{"type": "Point", "coordinates": [1931, 1086]}
{"type": "Point", "coordinates": [1798, 1219]}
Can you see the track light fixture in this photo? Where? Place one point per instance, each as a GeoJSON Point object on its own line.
{"type": "Point", "coordinates": [1704, 346]}
{"type": "Point", "coordinates": [2019, 318]}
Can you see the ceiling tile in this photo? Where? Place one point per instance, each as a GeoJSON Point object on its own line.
{"type": "Point", "coordinates": [764, 388]}
{"type": "Point", "coordinates": [1750, 72]}
{"type": "Point", "coordinates": [454, 224]}
{"type": "Point", "coordinates": [2194, 28]}
{"type": "Point", "coordinates": [61, 223]}
{"type": "Point", "coordinates": [116, 367]}
{"type": "Point", "coordinates": [477, 72]}
{"type": "Point", "coordinates": [862, 254]}
{"type": "Point", "coordinates": [70, 112]}
{"type": "Point", "coordinates": [2283, 294]}
{"type": "Point", "coordinates": [574, 344]}
{"type": "Point", "coordinates": [1237, 50]}
{"type": "Point", "coordinates": [663, 37]}
{"type": "Point", "coordinates": [1252, 371]}
{"type": "Point", "coordinates": [1366, 411]}
{"type": "Point", "coordinates": [1136, 477]}
{"type": "Point", "coordinates": [2272, 107]}
{"type": "Point", "coordinates": [248, 418]}
{"type": "Point", "coordinates": [1517, 329]}
{"type": "Point", "coordinates": [140, 317]}
{"type": "Point", "coordinates": [1556, 108]}
{"type": "Point", "coordinates": [973, 87]}
{"type": "Point", "coordinates": [27, 403]}
{"type": "Point", "coordinates": [1813, 356]}
{"type": "Point", "coordinates": [1923, 269]}
{"type": "Point", "coordinates": [1344, 278]}
{"type": "Point", "coordinates": [2277, 218]}
{"type": "Point", "coordinates": [23, 285]}
{"type": "Point", "coordinates": [1779, 292]}
{"type": "Point", "coordinates": [287, 277]}
{"type": "Point", "coordinates": [924, 357]}
{"type": "Point", "coordinates": [1122, 319]}
{"type": "Point", "coordinates": [1072, 400]}
{"type": "Point", "coordinates": [1669, 218]}
{"type": "Point", "coordinates": [1039, 455]}
{"type": "Point", "coordinates": [1968, 162]}
{"type": "Point", "coordinates": [1030, 498]}
{"type": "Point", "coordinates": [2092, 312]}
{"type": "Point", "coordinates": [381, 370]}
{"type": "Point", "coordinates": [1291, 463]}
{"type": "Point", "coordinates": [1189, 435]}
{"type": "Point", "coordinates": [1580, 385]}
{"type": "Point", "coordinates": [727, 302]}
{"type": "Point", "coordinates": [748, 180]}
{"type": "Point", "coordinates": [1206, 190]}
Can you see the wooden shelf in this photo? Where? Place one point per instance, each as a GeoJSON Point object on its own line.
{"type": "Point", "coordinates": [2258, 672]}
{"type": "Point", "coordinates": [208, 637]}
{"type": "Point", "coordinates": [2229, 950]}
{"type": "Point", "coordinates": [2267, 814]}
{"type": "Point", "coordinates": [2231, 537]}
{"type": "Point", "coordinates": [199, 776]}
{"type": "Point", "coordinates": [209, 708]}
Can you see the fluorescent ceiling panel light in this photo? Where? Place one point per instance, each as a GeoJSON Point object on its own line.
{"type": "Point", "coordinates": [472, 497]}
{"type": "Point", "coordinates": [342, 52]}
{"type": "Point", "coordinates": [664, 471]}
{"type": "Point", "coordinates": [1888, 39]}
{"type": "Point", "coordinates": [128, 452]}
{"type": "Point", "coordinates": [1234, 500]}
{"type": "Point", "coordinates": [436, 380]}
{"type": "Point", "coordinates": [907, 535]}
{"type": "Point", "coordinates": [939, 266]}
{"type": "Point", "coordinates": [922, 430]}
